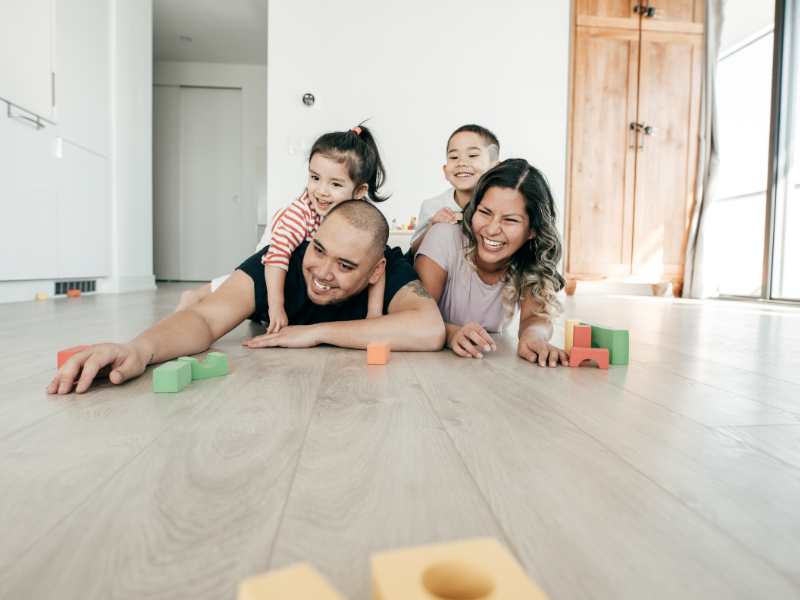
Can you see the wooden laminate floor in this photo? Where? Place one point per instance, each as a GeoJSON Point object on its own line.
{"type": "Point", "coordinates": [676, 477]}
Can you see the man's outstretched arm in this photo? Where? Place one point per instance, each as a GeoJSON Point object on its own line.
{"type": "Point", "coordinates": [413, 323]}
{"type": "Point", "coordinates": [183, 333]}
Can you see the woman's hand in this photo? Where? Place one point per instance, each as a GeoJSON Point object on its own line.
{"type": "Point", "coordinates": [470, 340]}
{"type": "Point", "coordinates": [538, 350]}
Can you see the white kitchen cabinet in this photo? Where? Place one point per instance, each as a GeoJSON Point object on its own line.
{"type": "Point", "coordinates": [26, 55]}
{"type": "Point", "coordinates": [28, 191]}
{"type": "Point", "coordinates": [82, 43]}
{"type": "Point", "coordinates": [82, 214]}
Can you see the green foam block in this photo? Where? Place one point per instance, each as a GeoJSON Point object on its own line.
{"type": "Point", "coordinates": [616, 340]}
{"type": "Point", "coordinates": [215, 365]}
{"type": "Point", "coordinates": [171, 377]}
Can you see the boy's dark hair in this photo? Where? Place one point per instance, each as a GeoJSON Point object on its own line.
{"type": "Point", "coordinates": [358, 149]}
{"type": "Point", "coordinates": [487, 136]}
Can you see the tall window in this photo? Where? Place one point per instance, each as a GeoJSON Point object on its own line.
{"type": "Point", "coordinates": [753, 236]}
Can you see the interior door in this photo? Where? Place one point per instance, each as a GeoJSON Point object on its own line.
{"type": "Point", "coordinates": [669, 103]}
{"type": "Point", "coordinates": [603, 151]}
{"type": "Point", "coordinates": [166, 181]}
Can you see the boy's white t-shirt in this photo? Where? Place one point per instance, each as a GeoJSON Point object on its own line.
{"type": "Point", "coordinates": [431, 206]}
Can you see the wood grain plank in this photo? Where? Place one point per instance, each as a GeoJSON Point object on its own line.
{"type": "Point", "coordinates": [585, 521]}
{"type": "Point", "coordinates": [744, 493]}
{"type": "Point", "coordinates": [780, 441]}
{"type": "Point", "coordinates": [195, 512]}
{"type": "Point", "coordinates": [377, 472]}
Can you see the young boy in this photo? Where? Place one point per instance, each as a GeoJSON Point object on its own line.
{"type": "Point", "coordinates": [471, 151]}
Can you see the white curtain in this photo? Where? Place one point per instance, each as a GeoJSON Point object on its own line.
{"type": "Point", "coordinates": [696, 283]}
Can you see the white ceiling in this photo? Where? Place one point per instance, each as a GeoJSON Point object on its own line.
{"type": "Point", "coordinates": [222, 31]}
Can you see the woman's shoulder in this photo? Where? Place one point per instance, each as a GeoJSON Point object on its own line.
{"type": "Point", "coordinates": [446, 231]}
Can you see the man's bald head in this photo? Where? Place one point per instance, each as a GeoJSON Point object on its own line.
{"type": "Point", "coordinates": [365, 217]}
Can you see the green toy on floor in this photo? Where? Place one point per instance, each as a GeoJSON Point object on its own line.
{"type": "Point", "coordinates": [175, 375]}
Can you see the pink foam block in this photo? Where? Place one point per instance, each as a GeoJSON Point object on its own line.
{"type": "Point", "coordinates": [598, 355]}
{"type": "Point", "coordinates": [582, 336]}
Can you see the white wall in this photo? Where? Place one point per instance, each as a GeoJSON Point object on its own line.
{"type": "Point", "coordinates": [252, 79]}
{"type": "Point", "coordinates": [131, 146]}
{"type": "Point", "coordinates": [417, 69]}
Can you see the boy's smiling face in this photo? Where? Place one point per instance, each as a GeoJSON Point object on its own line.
{"type": "Point", "coordinates": [468, 157]}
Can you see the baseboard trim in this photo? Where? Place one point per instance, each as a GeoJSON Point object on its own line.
{"type": "Point", "coordinates": [123, 285]}
{"type": "Point", "coordinates": [24, 291]}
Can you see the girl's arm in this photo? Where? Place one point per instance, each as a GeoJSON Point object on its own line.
{"type": "Point", "coordinates": [276, 282]}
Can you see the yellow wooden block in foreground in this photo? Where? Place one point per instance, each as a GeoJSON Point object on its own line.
{"type": "Point", "coordinates": [479, 569]}
{"type": "Point", "coordinates": [298, 582]}
{"type": "Point", "coordinates": [569, 328]}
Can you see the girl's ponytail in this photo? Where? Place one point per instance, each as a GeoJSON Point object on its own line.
{"type": "Point", "coordinates": [357, 147]}
{"type": "Point", "coordinates": [374, 175]}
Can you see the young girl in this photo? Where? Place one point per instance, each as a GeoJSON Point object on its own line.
{"type": "Point", "coordinates": [342, 165]}
{"type": "Point", "coordinates": [503, 256]}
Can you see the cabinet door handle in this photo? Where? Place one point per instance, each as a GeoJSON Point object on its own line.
{"type": "Point", "coordinates": [649, 130]}
{"type": "Point", "coordinates": [635, 129]}
{"type": "Point", "coordinates": [34, 121]}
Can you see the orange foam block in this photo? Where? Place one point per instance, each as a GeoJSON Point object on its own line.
{"type": "Point", "coordinates": [478, 568]}
{"type": "Point", "coordinates": [378, 353]}
{"type": "Point", "coordinates": [582, 336]}
{"type": "Point", "coordinates": [64, 355]}
{"type": "Point", "coordinates": [298, 582]}
{"type": "Point", "coordinates": [598, 355]}
{"type": "Point", "coordinates": [73, 293]}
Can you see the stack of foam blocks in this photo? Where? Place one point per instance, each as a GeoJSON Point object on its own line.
{"type": "Point", "coordinates": [601, 345]}
{"type": "Point", "coordinates": [477, 568]}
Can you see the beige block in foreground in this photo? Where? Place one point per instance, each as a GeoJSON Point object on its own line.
{"type": "Point", "coordinates": [298, 582]}
{"type": "Point", "coordinates": [478, 569]}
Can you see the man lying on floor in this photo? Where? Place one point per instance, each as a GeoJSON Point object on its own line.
{"type": "Point", "coordinates": [325, 300]}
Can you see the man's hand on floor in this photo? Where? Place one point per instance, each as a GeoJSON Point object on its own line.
{"type": "Point", "coordinates": [124, 360]}
{"type": "Point", "coordinates": [293, 336]}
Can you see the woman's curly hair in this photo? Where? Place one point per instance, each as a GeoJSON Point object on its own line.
{"type": "Point", "coordinates": [532, 269]}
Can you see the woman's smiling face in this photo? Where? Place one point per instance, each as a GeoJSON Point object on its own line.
{"type": "Point", "coordinates": [501, 226]}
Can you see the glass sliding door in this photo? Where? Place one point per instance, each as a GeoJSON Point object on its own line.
{"type": "Point", "coordinates": [785, 276]}
{"type": "Point", "coordinates": [744, 97]}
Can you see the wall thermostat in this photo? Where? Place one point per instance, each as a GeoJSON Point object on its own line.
{"type": "Point", "coordinates": [308, 99]}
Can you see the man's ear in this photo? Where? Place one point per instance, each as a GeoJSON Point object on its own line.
{"type": "Point", "coordinates": [377, 271]}
{"type": "Point", "coordinates": [360, 191]}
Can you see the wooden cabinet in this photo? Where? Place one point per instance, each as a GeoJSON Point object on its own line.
{"type": "Point", "coordinates": [633, 140]}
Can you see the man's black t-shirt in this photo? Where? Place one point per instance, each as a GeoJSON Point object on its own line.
{"type": "Point", "coordinates": [299, 308]}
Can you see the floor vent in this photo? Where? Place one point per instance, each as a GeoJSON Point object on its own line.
{"type": "Point", "coordinates": [85, 286]}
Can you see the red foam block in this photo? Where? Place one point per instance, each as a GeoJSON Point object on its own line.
{"type": "Point", "coordinates": [582, 336]}
{"type": "Point", "coordinates": [598, 355]}
{"type": "Point", "coordinates": [64, 355]}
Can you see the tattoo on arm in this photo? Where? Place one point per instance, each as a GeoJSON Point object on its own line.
{"type": "Point", "coordinates": [419, 289]}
